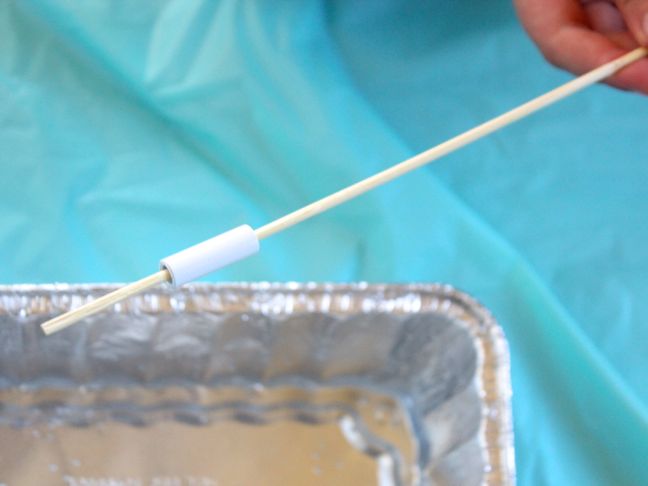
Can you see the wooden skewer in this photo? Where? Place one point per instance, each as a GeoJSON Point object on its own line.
{"type": "Point", "coordinates": [451, 145]}
{"type": "Point", "coordinates": [69, 318]}
{"type": "Point", "coordinates": [371, 182]}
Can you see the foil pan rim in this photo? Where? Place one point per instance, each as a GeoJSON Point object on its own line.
{"type": "Point", "coordinates": [258, 297]}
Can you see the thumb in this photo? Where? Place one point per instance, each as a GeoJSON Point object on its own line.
{"type": "Point", "coordinates": [635, 14]}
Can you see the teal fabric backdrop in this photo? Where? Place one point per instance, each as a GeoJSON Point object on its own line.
{"type": "Point", "coordinates": [129, 130]}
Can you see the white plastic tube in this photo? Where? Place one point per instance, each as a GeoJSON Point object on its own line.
{"type": "Point", "coordinates": [210, 255]}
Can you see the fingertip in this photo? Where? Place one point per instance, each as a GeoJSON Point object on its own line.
{"type": "Point", "coordinates": [580, 50]}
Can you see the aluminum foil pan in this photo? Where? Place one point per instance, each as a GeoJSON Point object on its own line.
{"type": "Point", "coordinates": [241, 384]}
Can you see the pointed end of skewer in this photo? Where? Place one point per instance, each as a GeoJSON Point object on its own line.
{"type": "Point", "coordinates": [58, 323]}
{"type": "Point", "coordinates": [72, 317]}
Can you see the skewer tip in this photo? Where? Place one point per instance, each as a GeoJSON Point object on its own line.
{"type": "Point", "coordinates": [71, 317]}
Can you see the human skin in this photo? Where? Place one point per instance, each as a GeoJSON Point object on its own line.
{"type": "Point", "coordinates": [579, 35]}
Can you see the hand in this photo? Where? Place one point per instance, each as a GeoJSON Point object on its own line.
{"type": "Point", "coordinates": [579, 35]}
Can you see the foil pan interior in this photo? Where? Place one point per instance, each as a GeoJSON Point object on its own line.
{"type": "Point", "coordinates": [255, 383]}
